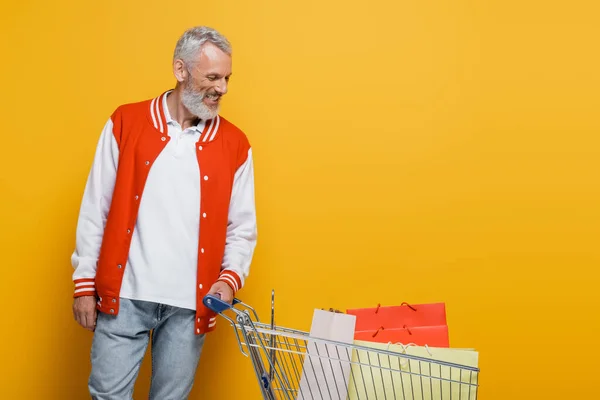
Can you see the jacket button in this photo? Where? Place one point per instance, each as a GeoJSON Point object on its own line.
{"type": "Point", "coordinates": [163, 138]}
{"type": "Point", "coordinates": [203, 215]}
{"type": "Point", "coordinates": [137, 197]}
{"type": "Point", "coordinates": [114, 300]}
{"type": "Point", "coordinates": [205, 177]}
{"type": "Point", "coordinates": [112, 311]}
{"type": "Point", "coordinates": [200, 148]}
{"type": "Point", "coordinates": [198, 320]}
{"type": "Point", "coordinates": [200, 286]}
{"type": "Point", "coordinates": [202, 250]}
{"type": "Point", "coordinates": [198, 330]}
{"type": "Point", "coordinates": [128, 230]}
{"type": "Point", "coordinates": [147, 162]}
{"type": "Point", "coordinates": [119, 266]}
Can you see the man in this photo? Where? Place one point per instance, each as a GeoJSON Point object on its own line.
{"type": "Point", "coordinates": [167, 217]}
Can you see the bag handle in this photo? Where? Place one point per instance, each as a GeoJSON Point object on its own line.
{"type": "Point", "coordinates": [402, 304]}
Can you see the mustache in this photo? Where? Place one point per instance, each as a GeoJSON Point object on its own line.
{"type": "Point", "coordinates": [213, 94]}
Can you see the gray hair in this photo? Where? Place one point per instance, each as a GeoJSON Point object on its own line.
{"type": "Point", "coordinates": [193, 39]}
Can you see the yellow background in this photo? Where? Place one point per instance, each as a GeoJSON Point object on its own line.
{"type": "Point", "coordinates": [412, 151]}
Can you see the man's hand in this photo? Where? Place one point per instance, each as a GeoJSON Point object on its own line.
{"type": "Point", "coordinates": [84, 311]}
{"type": "Point", "coordinates": [223, 290]}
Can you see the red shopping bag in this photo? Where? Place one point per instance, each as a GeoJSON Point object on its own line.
{"type": "Point", "coordinates": [421, 324]}
{"type": "Point", "coordinates": [411, 315]}
{"type": "Point", "coordinates": [433, 336]}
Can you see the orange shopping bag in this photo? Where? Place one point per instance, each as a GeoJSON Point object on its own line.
{"type": "Point", "coordinates": [421, 324]}
{"type": "Point", "coordinates": [434, 336]}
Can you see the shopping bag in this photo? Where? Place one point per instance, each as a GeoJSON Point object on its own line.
{"type": "Point", "coordinates": [411, 315]}
{"type": "Point", "coordinates": [435, 336]}
{"type": "Point", "coordinates": [326, 367]}
{"type": "Point", "coordinates": [379, 375]}
{"type": "Point", "coordinates": [421, 324]}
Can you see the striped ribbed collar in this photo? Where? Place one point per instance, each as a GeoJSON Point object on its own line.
{"type": "Point", "coordinates": [159, 119]}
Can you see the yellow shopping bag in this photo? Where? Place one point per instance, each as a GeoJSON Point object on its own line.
{"type": "Point", "coordinates": [432, 374]}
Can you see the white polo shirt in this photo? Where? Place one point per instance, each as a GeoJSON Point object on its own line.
{"type": "Point", "coordinates": [163, 257]}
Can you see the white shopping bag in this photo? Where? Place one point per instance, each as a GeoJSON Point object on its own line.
{"type": "Point", "coordinates": [326, 368]}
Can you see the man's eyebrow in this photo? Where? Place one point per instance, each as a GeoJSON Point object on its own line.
{"type": "Point", "coordinates": [217, 74]}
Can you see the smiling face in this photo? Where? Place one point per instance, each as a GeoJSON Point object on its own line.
{"type": "Point", "coordinates": [205, 81]}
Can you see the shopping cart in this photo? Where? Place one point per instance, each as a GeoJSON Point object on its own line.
{"type": "Point", "coordinates": [290, 364]}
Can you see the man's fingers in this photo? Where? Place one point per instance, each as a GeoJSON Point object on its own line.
{"type": "Point", "coordinates": [77, 318]}
{"type": "Point", "coordinates": [82, 319]}
{"type": "Point", "coordinates": [90, 320]}
{"type": "Point", "coordinates": [87, 319]}
{"type": "Point", "coordinates": [226, 297]}
{"type": "Point", "coordinates": [94, 319]}
{"type": "Point", "coordinates": [222, 291]}
{"type": "Point", "coordinates": [84, 311]}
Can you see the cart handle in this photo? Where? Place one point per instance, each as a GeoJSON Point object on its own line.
{"type": "Point", "coordinates": [214, 303]}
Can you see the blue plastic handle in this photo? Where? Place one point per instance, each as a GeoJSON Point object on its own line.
{"type": "Point", "coordinates": [214, 303]}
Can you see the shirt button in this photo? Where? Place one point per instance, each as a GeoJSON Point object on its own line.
{"type": "Point", "coordinates": [203, 215]}
{"type": "Point", "coordinates": [128, 230]}
{"type": "Point", "coordinates": [137, 197]}
{"type": "Point", "coordinates": [200, 286]}
{"type": "Point", "coordinates": [200, 148]}
{"type": "Point", "coordinates": [205, 177]}
{"type": "Point", "coordinates": [202, 250]}
{"type": "Point", "coordinates": [112, 311]}
{"type": "Point", "coordinates": [147, 162]}
{"type": "Point", "coordinates": [198, 330]}
{"type": "Point", "coordinates": [119, 266]}
{"type": "Point", "coordinates": [114, 300]}
{"type": "Point", "coordinates": [198, 320]}
{"type": "Point", "coordinates": [163, 138]}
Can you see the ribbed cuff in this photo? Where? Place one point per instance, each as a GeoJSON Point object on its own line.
{"type": "Point", "coordinates": [84, 287]}
{"type": "Point", "coordinates": [232, 279]}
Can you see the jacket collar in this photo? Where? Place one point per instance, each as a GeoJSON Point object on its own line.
{"type": "Point", "coordinates": [157, 115]}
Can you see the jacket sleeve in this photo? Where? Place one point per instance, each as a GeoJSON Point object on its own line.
{"type": "Point", "coordinates": [93, 212]}
{"type": "Point", "coordinates": [241, 228]}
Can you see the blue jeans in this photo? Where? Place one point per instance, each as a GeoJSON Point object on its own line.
{"type": "Point", "coordinates": [120, 343]}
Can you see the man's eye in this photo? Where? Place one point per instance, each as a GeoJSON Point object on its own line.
{"type": "Point", "coordinates": [212, 78]}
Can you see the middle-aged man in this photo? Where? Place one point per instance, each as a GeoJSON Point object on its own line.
{"type": "Point", "coordinates": [167, 217]}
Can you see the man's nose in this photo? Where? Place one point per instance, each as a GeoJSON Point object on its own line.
{"type": "Point", "coordinates": [221, 87]}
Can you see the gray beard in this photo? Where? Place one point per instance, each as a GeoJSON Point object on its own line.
{"type": "Point", "coordinates": [194, 103]}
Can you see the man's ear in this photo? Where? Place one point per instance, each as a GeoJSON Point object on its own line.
{"type": "Point", "coordinates": [180, 71]}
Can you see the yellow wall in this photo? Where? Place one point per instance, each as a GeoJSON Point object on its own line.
{"type": "Point", "coordinates": [405, 151]}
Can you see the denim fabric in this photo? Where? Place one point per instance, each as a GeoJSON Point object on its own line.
{"type": "Point", "coordinates": [120, 343]}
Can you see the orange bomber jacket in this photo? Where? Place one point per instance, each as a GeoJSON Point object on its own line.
{"type": "Point", "coordinates": [140, 130]}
